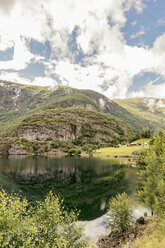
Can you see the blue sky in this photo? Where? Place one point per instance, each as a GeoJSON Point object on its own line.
{"type": "Point", "coordinates": [116, 47]}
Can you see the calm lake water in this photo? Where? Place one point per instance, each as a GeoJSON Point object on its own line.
{"type": "Point", "coordinates": [84, 183]}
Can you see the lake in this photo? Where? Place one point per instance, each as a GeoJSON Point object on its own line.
{"type": "Point", "coordinates": [85, 183]}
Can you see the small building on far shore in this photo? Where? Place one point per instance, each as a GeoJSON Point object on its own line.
{"type": "Point", "coordinates": [134, 144]}
{"type": "Point", "coordinates": [144, 143]}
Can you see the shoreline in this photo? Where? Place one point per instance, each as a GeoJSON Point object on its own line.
{"type": "Point", "coordinates": [95, 229]}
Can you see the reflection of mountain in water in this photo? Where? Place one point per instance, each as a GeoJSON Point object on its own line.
{"type": "Point", "coordinates": [60, 170]}
{"type": "Point", "coordinates": [83, 182]}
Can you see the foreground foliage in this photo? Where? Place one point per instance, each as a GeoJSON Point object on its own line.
{"type": "Point", "coordinates": [151, 171]}
{"type": "Point", "coordinates": [120, 214]}
{"type": "Point", "coordinates": [151, 190]}
{"type": "Point", "coordinates": [152, 237]}
{"type": "Point", "coordinates": [46, 225]}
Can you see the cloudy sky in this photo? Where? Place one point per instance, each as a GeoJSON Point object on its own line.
{"type": "Point", "coordinates": [116, 47]}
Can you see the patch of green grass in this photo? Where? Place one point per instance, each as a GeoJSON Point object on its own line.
{"type": "Point", "coordinates": [152, 237]}
{"type": "Point", "coordinates": [118, 151]}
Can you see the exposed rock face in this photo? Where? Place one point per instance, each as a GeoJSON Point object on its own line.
{"type": "Point", "coordinates": [57, 132]}
{"type": "Point", "coordinates": [17, 150]}
{"type": "Point", "coordinates": [71, 125]}
{"type": "Point", "coordinates": [154, 104]}
{"type": "Point", "coordinates": [65, 119]}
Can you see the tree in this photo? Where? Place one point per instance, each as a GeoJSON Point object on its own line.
{"type": "Point", "coordinates": [160, 199]}
{"type": "Point", "coordinates": [90, 148]}
{"type": "Point", "coordinates": [46, 225]}
{"type": "Point", "coordinates": [119, 213]}
{"type": "Point", "coordinates": [151, 172]}
{"type": "Point", "coordinates": [144, 134]}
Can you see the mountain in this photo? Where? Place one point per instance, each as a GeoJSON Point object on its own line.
{"type": "Point", "coordinates": [147, 113]}
{"type": "Point", "coordinates": [18, 101]}
{"type": "Point", "coordinates": [40, 120]}
{"type": "Point", "coordinates": [31, 115]}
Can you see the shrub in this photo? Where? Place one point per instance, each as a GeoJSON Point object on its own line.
{"type": "Point", "coordinates": [119, 213]}
{"type": "Point", "coordinates": [46, 225]}
{"type": "Point", "coordinates": [74, 153]}
{"type": "Point", "coordinates": [55, 144]}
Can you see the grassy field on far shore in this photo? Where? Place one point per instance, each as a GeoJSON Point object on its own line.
{"type": "Point", "coordinates": [118, 151]}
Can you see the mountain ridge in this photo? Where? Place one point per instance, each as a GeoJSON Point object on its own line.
{"type": "Point", "coordinates": [33, 119]}
{"type": "Point", "coordinates": [17, 101]}
{"type": "Point", "coordinates": [36, 120]}
{"type": "Point", "coordinates": [150, 111]}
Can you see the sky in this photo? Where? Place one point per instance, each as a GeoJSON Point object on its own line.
{"type": "Point", "coordinates": [115, 47]}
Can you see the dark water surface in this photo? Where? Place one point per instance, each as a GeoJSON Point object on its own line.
{"type": "Point", "coordinates": [84, 183]}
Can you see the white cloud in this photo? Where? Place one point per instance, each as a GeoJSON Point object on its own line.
{"type": "Point", "coordinates": [109, 62]}
{"type": "Point", "coordinates": [21, 58]}
{"type": "Point", "coordinates": [77, 76]}
{"type": "Point", "coordinates": [91, 18]}
{"type": "Point", "coordinates": [134, 23]}
{"type": "Point", "coordinates": [159, 55]}
{"type": "Point", "coordinates": [150, 90]}
{"type": "Point", "coordinates": [159, 45]}
{"type": "Point", "coordinates": [6, 5]}
{"type": "Point", "coordinates": [115, 70]}
{"type": "Point", "coordinates": [139, 33]}
{"type": "Point", "coordinates": [44, 81]}
{"type": "Point", "coordinates": [55, 20]}
{"type": "Point", "coordinates": [160, 22]}
{"type": "Point", "coordinates": [15, 77]}
{"type": "Point", "coordinates": [5, 43]}
{"type": "Point", "coordinates": [16, 29]}
{"type": "Point", "coordinates": [139, 5]}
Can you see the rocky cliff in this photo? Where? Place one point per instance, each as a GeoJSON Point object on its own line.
{"type": "Point", "coordinates": [71, 126]}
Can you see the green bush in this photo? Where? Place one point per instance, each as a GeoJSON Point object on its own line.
{"type": "Point", "coordinates": [46, 225]}
{"type": "Point", "coordinates": [74, 153]}
{"type": "Point", "coordinates": [90, 148]}
{"type": "Point", "coordinates": [119, 213]}
{"type": "Point", "coordinates": [55, 144]}
{"type": "Point", "coordinates": [77, 142]}
{"type": "Point", "coordinates": [46, 149]}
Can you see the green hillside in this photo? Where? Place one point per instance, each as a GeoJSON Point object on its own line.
{"type": "Point", "coordinates": [59, 131]}
{"type": "Point", "coordinates": [144, 113]}
{"type": "Point", "coordinates": [20, 102]}
{"type": "Point", "coordinates": [42, 121]}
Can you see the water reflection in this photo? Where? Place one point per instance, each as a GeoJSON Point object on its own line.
{"type": "Point", "coordinates": [85, 183]}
